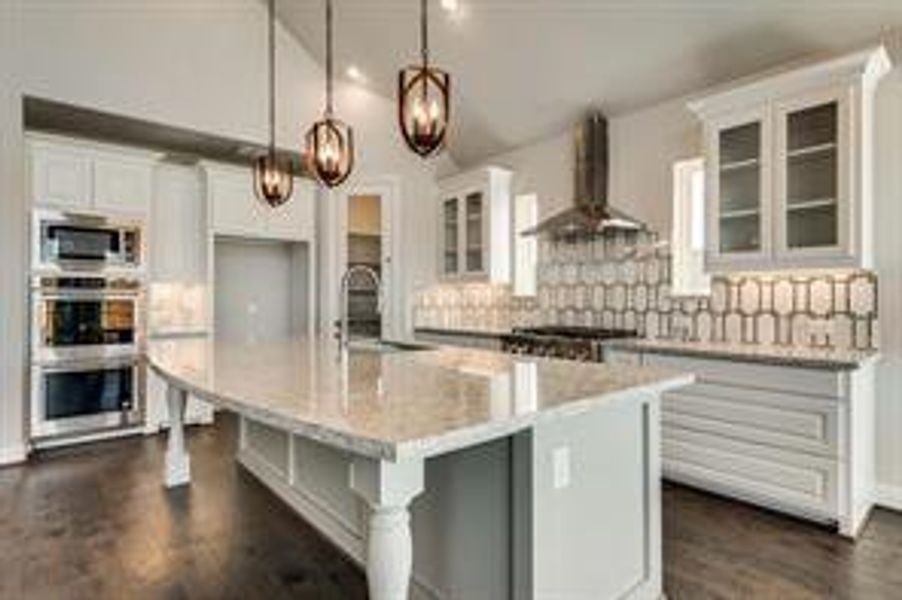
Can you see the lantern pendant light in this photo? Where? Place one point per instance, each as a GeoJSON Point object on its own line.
{"type": "Point", "coordinates": [330, 141]}
{"type": "Point", "coordinates": [424, 99]}
{"type": "Point", "coordinates": [273, 177]}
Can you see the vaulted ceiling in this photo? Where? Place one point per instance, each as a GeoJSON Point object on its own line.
{"type": "Point", "coordinates": [525, 69]}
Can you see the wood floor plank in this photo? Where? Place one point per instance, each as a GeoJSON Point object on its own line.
{"type": "Point", "coordinates": [95, 523]}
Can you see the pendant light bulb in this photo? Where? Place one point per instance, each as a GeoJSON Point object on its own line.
{"type": "Point", "coordinates": [330, 142]}
{"type": "Point", "coordinates": [273, 176]}
{"type": "Point", "coordinates": [424, 99]}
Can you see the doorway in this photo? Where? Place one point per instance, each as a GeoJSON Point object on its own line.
{"type": "Point", "coordinates": [364, 251]}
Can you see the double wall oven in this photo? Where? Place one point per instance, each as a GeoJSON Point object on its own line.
{"type": "Point", "coordinates": [87, 307]}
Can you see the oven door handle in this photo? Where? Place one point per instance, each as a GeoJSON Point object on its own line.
{"type": "Point", "coordinates": [104, 364]}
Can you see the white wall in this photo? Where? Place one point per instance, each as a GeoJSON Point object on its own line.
{"type": "Point", "coordinates": [13, 228]}
{"type": "Point", "coordinates": [643, 146]}
{"type": "Point", "coordinates": [198, 64]}
{"type": "Point", "coordinates": [888, 213]}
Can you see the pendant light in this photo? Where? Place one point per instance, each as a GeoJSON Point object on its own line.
{"type": "Point", "coordinates": [330, 141]}
{"type": "Point", "coordinates": [273, 177]}
{"type": "Point", "coordinates": [424, 99]}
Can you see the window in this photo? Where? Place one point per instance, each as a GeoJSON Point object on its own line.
{"type": "Point", "coordinates": [526, 250]}
{"type": "Point", "coordinates": [688, 243]}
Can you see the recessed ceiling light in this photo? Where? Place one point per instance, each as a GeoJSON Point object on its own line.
{"type": "Point", "coordinates": [356, 74]}
{"type": "Point", "coordinates": [450, 5]}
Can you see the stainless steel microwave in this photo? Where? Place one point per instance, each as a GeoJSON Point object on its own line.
{"type": "Point", "coordinates": [65, 241]}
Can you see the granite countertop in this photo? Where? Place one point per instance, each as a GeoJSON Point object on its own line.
{"type": "Point", "coordinates": [482, 333]}
{"type": "Point", "coordinates": [394, 405]}
{"type": "Point", "coordinates": [813, 358]}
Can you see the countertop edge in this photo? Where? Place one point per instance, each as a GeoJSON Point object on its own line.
{"type": "Point", "coordinates": [737, 355]}
{"type": "Point", "coordinates": [461, 332]}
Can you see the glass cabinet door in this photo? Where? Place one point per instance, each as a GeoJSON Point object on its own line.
{"type": "Point", "coordinates": [739, 183]}
{"type": "Point", "coordinates": [474, 233]}
{"type": "Point", "coordinates": [450, 235]}
{"type": "Point", "coordinates": [809, 186]}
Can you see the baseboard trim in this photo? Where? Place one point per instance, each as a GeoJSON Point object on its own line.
{"type": "Point", "coordinates": [890, 496]}
{"type": "Point", "coordinates": [13, 455]}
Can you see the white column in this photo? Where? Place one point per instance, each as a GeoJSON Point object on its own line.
{"type": "Point", "coordinates": [388, 488]}
{"type": "Point", "coordinates": [178, 463]}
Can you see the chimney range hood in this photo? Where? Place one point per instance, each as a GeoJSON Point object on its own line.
{"type": "Point", "coordinates": [591, 215]}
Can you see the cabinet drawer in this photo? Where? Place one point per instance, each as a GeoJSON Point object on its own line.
{"type": "Point", "coordinates": [810, 382]}
{"type": "Point", "coordinates": [796, 423]}
{"type": "Point", "coordinates": [781, 479]}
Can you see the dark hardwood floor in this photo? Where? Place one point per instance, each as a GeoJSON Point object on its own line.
{"type": "Point", "coordinates": [94, 522]}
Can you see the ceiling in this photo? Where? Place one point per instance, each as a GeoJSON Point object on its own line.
{"type": "Point", "coordinates": [525, 69]}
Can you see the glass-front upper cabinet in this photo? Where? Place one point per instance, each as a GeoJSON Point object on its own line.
{"type": "Point", "coordinates": [812, 191]}
{"type": "Point", "coordinates": [790, 167]}
{"type": "Point", "coordinates": [450, 236]}
{"type": "Point", "coordinates": [474, 239]}
{"type": "Point", "coordinates": [476, 225]}
{"type": "Point", "coordinates": [739, 178]}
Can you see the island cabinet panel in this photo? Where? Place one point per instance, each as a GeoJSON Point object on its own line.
{"type": "Point", "coordinates": [586, 537]}
{"type": "Point", "coordinates": [799, 440]}
{"type": "Point", "coordinates": [460, 523]}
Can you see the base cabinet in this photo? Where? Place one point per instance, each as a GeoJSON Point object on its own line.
{"type": "Point", "coordinates": [796, 440]}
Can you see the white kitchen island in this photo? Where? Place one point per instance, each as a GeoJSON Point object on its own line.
{"type": "Point", "coordinates": [527, 478]}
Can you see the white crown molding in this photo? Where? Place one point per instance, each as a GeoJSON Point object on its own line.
{"type": "Point", "coordinates": [866, 66]}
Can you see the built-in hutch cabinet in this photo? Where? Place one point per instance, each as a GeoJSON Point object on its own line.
{"type": "Point", "coordinates": [87, 177]}
{"type": "Point", "coordinates": [475, 226]}
{"type": "Point", "coordinates": [789, 167]}
{"type": "Point", "coordinates": [235, 212]}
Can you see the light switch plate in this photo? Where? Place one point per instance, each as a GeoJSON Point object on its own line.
{"type": "Point", "coordinates": [560, 459]}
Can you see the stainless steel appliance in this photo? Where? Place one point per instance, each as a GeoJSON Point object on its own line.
{"type": "Point", "coordinates": [574, 343]}
{"type": "Point", "coordinates": [85, 317]}
{"type": "Point", "coordinates": [65, 241]}
{"type": "Point", "coordinates": [87, 376]}
{"type": "Point", "coordinates": [86, 396]}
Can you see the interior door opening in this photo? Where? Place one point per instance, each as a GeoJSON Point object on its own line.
{"type": "Point", "coordinates": [364, 249]}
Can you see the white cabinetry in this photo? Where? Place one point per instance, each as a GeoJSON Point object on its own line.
{"type": "Point", "coordinates": [475, 226]}
{"type": "Point", "coordinates": [178, 236]}
{"type": "Point", "coordinates": [789, 167]}
{"type": "Point", "coordinates": [86, 177]}
{"type": "Point", "coordinates": [235, 210]}
{"type": "Point", "coordinates": [795, 439]}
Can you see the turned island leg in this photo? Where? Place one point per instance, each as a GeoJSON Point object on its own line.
{"type": "Point", "coordinates": [178, 463]}
{"type": "Point", "coordinates": [388, 488]}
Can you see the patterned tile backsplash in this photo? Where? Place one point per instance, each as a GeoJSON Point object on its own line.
{"type": "Point", "coordinates": [626, 284]}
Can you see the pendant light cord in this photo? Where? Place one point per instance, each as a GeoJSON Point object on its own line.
{"type": "Point", "coordinates": [272, 76]}
{"type": "Point", "coordinates": [424, 32]}
{"type": "Point", "coordinates": [329, 66]}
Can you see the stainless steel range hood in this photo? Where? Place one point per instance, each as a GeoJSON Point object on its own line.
{"type": "Point", "coordinates": [591, 214]}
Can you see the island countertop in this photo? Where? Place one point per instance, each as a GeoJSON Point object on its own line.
{"type": "Point", "coordinates": [394, 405]}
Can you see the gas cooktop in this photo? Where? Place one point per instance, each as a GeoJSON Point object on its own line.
{"type": "Point", "coordinates": [572, 342]}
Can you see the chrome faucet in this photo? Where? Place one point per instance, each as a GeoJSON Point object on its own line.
{"type": "Point", "coordinates": [344, 298]}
